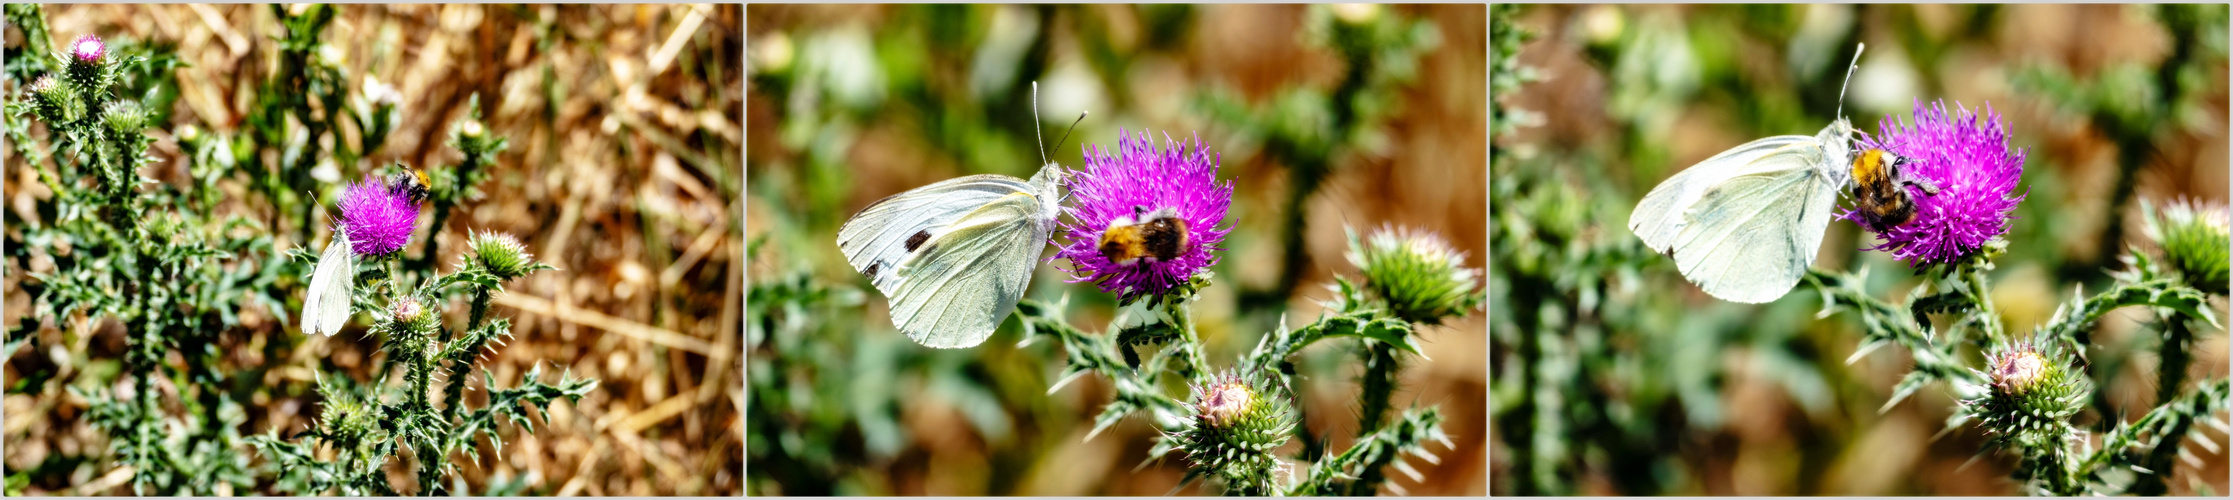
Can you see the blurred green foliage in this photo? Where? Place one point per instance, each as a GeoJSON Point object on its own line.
{"type": "Point", "coordinates": [1613, 376]}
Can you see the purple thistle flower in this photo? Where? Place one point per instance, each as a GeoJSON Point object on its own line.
{"type": "Point", "coordinates": [1146, 218]}
{"type": "Point", "coordinates": [88, 49]}
{"type": "Point", "coordinates": [84, 64]}
{"type": "Point", "coordinates": [1970, 163]}
{"type": "Point", "coordinates": [380, 217]}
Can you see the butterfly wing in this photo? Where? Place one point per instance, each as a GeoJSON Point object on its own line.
{"type": "Point", "coordinates": [958, 287]}
{"type": "Point", "coordinates": [1751, 236]}
{"type": "Point", "coordinates": [875, 240]}
{"type": "Point", "coordinates": [1659, 217]}
{"type": "Point", "coordinates": [326, 308]}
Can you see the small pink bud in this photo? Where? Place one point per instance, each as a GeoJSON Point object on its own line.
{"type": "Point", "coordinates": [88, 49]}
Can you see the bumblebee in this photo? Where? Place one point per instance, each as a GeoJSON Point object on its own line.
{"type": "Point", "coordinates": [410, 182]}
{"type": "Point", "coordinates": [1145, 236]}
{"type": "Point", "coordinates": [1880, 189]}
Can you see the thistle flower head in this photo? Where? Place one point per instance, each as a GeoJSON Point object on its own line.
{"type": "Point", "coordinates": [379, 218]}
{"type": "Point", "coordinates": [407, 310]}
{"type": "Point", "coordinates": [88, 49]}
{"type": "Point", "coordinates": [1422, 279]}
{"type": "Point", "coordinates": [2193, 235]}
{"type": "Point", "coordinates": [2032, 392]}
{"type": "Point", "coordinates": [501, 254]}
{"type": "Point", "coordinates": [1236, 420]}
{"type": "Point", "coordinates": [124, 117]}
{"type": "Point", "coordinates": [412, 315]}
{"type": "Point", "coordinates": [1146, 217]}
{"type": "Point", "coordinates": [2018, 371]}
{"type": "Point", "coordinates": [1969, 163]}
{"type": "Point", "coordinates": [86, 63]}
{"type": "Point", "coordinates": [344, 416]}
{"type": "Point", "coordinates": [42, 86]}
{"type": "Point", "coordinates": [55, 102]}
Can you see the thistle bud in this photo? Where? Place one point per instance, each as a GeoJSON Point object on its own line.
{"type": "Point", "coordinates": [87, 64]}
{"type": "Point", "coordinates": [470, 130]}
{"type": "Point", "coordinates": [124, 117]}
{"type": "Point", "coordinates": [2017, 372]}
{"type": "Point", "coordinates": [501, 254]}
{"type": "Point", "coordinates": [411, 315]}
{"type": "Point", "coordinates": [2031, 394]}
{"type": "Point", "coordinates": [349, 421]}
{"type": "Point", "coordinates": [55, 102]}
{"type": "Point", "coordinates": [1236, 421]}
{"type": "Point", "coordinates": [2193, 236]}
{"type": "Point", "coordinates": [1422, 279]}
{"type": "Point", "coordinates": [87, 54]}
{"type": "Point", "coordinates": [407, 310]}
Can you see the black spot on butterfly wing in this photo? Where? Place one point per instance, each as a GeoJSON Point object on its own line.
{"type": "Point", "coordinates": [917, 240]}
{"type": "Point", "coordinates": [873, 267]}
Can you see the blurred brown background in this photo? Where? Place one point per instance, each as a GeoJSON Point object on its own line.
{"type": "Point", "coordinates": [622, 172]}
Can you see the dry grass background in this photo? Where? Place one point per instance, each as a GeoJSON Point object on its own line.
{"type": "Point", "coordinates": [623, 174]}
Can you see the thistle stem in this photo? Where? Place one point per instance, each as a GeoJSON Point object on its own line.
{"type": "Point", "coordinates": [1379, 381]}
{"type": "Point", "coordinates": [1183, 313]}
{"type": "Point", "coordinates": [1980, 291]}
{"type": "Point", "coordinates": [2178, 340]}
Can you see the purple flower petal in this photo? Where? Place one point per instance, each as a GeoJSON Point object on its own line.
{"type": "Point", "coordinates": [1971, 164]}
{"type": "Point", "coordinates": [88, 49]}
{"type": "Point", "coordinates": [1142, 178]}
{"type": "Point", "coordinates": [380, 218]}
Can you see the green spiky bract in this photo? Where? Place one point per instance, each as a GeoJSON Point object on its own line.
{"type": "Point", "coordinates": [2026, 408]}
{"type": "Point", "coordinates": [501, 254]}
{"type": "Point", "coordinates": [1420, 277]}
{"type": "Point", "coordinates": [1233, 424]}
{"type": "Point", "coordinates": [2193, 236]}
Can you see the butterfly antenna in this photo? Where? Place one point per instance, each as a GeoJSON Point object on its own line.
{"type": "Point", "coordinates": [1035, 122]}
{"type": "Point", "coordinates": [1065, 134]}
{"type": "Point", "coordinates": [321, 207]}
{"type": "Point", "coordinates": [1848, 77]}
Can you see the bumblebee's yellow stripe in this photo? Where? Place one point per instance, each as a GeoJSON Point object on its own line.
{"type": "Point", "coordinates": [1868, 167]}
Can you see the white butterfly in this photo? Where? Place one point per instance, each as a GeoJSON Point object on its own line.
{"type": "Point", "coordinates": [326, 309]}
{"type": "Point", "coordinates": [954, 257]}
{"type": "Point", "coordinates": [1745, 224]}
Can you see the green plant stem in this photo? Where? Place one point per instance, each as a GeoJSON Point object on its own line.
{"type": "Point", "coordinates": [2178, 341]}
{"type": "Point", "coordinates": [2054, 463]}
{"type": "Point", "coordinates": [462, 367]}
{"type": "Point", "coordinates": [1195, 368]}
{"type": "Point", "coordinates": [480, 308]}
{"type": "Point", "coordinates": [1379, 387]}
{"type": "Point", "coordinates": [1379, 382]}
{"type": "Point", "coordinates": [1981, 291]}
